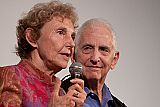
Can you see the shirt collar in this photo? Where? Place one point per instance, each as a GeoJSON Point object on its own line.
{"type": "Point", "coordinates": [105, 92]}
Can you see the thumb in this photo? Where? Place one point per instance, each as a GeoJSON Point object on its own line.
{"type": "Point", "coordinates": [56, 87]}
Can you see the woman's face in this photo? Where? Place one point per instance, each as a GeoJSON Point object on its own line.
{"type": "Point", "coordinates": [55, 44]}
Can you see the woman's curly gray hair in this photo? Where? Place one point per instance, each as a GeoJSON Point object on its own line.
{"type": "Point", "coordinates": [36, 18]}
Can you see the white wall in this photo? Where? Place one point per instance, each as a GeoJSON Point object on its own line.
{"type": "Point", "coordinates": [137, 24]}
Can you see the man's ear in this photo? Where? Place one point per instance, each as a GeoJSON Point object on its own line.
{"type": "Point", "coordinates": [29, 38]}
{"type": "Point", "coordinates": [115, 60]}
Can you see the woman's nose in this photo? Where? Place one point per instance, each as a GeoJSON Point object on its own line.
{"type": "Point", "coordinates": [70, 42]}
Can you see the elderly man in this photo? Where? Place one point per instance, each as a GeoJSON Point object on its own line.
{"type": "Point", "coordinates": [96, 50]}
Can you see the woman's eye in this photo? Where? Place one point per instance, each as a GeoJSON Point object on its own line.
{"type": "Point", "coordinates": [61, 32]}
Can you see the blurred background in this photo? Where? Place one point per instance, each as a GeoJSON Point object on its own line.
{"type": "Point", "coordinates": [136, 77]}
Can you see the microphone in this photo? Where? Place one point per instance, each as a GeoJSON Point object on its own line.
{"type": "Point", "coordinates": [75, 70]}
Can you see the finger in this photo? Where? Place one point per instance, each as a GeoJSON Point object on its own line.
{"type": "Point", "coordinates": [71, 92]}
{"type": "Point", "coordinates": [79, 94]}
{"type": "Point", "coordinates": [56, 87]}
{"type": "Point", "coordinates": [78, 81]}
{"type": "Point", "coordinates": [76, 93]}
{"type": "Point", "coordinates": [76, 87]}
{"type": "Point", "coordinates": [80, 99]}
{"type": "Point", "coordinates": [77, 97]}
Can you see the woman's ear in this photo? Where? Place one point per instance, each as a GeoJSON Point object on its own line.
{"type": "Point", "coordinates": [115, 60]}
{"type": "Point", "coordinates": [29, 38]}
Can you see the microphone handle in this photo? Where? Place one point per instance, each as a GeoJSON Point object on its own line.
{"type": "Point", "coordinates": [66, 81]}
{"type": "Point", "coordinates": [76, 75]}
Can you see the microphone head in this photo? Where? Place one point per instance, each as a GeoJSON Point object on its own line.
{"type": "Point", "coordinates": [75, 70]}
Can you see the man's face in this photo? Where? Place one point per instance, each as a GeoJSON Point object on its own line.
{"type": "Point", "coordinates": [56, 43]}
{"type": "Point", "coordinates": [96, 52]}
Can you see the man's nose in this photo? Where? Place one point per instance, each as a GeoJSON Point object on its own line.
{"type": "Point", "coordinates": [95, 57]}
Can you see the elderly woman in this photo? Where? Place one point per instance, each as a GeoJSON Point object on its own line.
{"type": "Point", "coordinates": [45, 43]}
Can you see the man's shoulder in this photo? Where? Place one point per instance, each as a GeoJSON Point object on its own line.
{"type": "Point", "coordinates": [117, 103]}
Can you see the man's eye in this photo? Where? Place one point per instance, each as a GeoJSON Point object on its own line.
{"type": "Point", "coordinates": [87, 49]}
{"type": "Point", "coordinates": [104, 49]}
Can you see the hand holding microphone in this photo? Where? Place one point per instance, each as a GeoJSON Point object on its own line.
{"type": "Point", "coordinates": [77, 84]}
{"type": "Point", "coordinates": [74, 84]}
{"type": "Point", "coordinates": [75, 71]}
{"type": "Point", "coordinates": [74, 97]}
